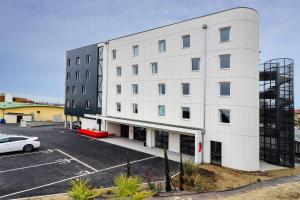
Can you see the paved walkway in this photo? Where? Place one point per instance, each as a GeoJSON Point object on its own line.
{"type": "Point", "coordinates": [214, 195]}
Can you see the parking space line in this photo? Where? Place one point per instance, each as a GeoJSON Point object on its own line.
{"type": "Point", "coordinates": [32, 166]}
{"type": "Point", "coordinates": [24, 154]}
{"type": "Point", "coordinates": [76, 160]}
{"type": "Point", "coordinates": [67, 179]}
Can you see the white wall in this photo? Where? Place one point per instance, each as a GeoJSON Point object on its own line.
{"type": "Point", "coordinates": [10, 119]}
{"type": "Point", "coordinates": [174, 142]}
{"type": "Point", "coordinates": [114, 128]}
{"type": "Point", "coordinates": [89, 123]}
{"type": "Point", "coordinates": [240, 139]}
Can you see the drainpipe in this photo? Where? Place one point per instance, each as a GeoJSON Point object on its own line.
{"type": "Point", "coordinates": [204, 27]}
{"type": "Point", "coordinates": [107, 51]}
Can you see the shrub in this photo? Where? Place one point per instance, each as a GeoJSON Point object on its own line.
{"type": "Point", "coordinates": [81, 190]}
{"type": "Point", "coordinates": [199, 187]}
{"type": "Point", "coordinates": [127, 187]}
{"type": "Point", "coordinates": [181, 174]}
{"type": "Point", "coordinates": [189, 167]}
{"type": "Point", "coordinates": [167, 172]}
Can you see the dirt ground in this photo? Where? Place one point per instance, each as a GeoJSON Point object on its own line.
{"type": "Point", "coordinates": [286, 191]}
{"type": "Point", "coordinates": [215, 178]}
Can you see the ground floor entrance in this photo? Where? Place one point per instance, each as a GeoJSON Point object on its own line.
{"type": "Point", "coordinates": [139, 133]}
{"type": "Point", "coordinates": [216, 153]}
{"type": "Point", "coordinates": [187, 145]}
{"type": "Point", "coordinates": [124, 131]}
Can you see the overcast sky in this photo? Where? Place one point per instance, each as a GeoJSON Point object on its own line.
{"type": "Point", "coordinates": [35, 34]}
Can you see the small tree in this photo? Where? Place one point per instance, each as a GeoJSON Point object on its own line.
{"type": "Point", "coordinates": [127, 166]}
{"type": "Point", "coordinates": [167, 172]}
{"type": "Point", "coordinates": [181, 174]}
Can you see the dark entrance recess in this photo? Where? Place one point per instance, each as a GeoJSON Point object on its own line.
{"type": "Point", "coordinates": [124, 131]}
{"type": "Point", "coordinates": [216, 153]}
{"type": "Point", "coordinates": [19, 118]}
{"type": "Point", "coordinates": [161, 139]}
{"type": "Point", "coordinates": [187, 144]}
{"type": "Point", "coordinates": [139, 133]}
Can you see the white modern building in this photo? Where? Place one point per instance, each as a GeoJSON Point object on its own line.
{"type": "Point", "coordinates": [191, 86]}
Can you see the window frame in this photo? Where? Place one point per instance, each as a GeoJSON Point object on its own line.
{"type": "Point", "coordinates": [182, 110]}
{"type": "Point", "coordinates": [119, 69]}
{"type": "Point", "coordinates": [224, 82]}
{"type": "Point", "coordinates": [135, 66]}
{"type": "Point", "coordinates": [182, 89]}
{"type": "Point", "coordinates": [87, 104]}
{"type": "Point", "coordinates": [73, 89]}
{"type": "Point", "coordinates": [114, 54]}
{"type": "Point", "coordinates": [68, 76]}
{"type": "Point", "coordinates": [165, 45]}
{"type": "Point", "coordinates": [220, 61]}
{"type": "Point", "coordinates": [161, 84]}
{"type": "Point", "coordinates": [83, 89]}
{"type": "Point", "coordinates": [118, 107]}
{"type": "Point", "coordinates": [117, 86]}
{"type": "Point", "coordinates": [77, 60]}
{"type": "Point", "coordinates": [77, 75]}
{"type": "Point", "coordinates": [164, 110]}
{"type": "Point", "coordinates": [68, 62]}
{"type": "Point", "coordinates": [73, 103]}
{"type": "Point", "coordinates": [152, 65]}
{"type": "Point", "coordinates": [199, 64]}
{"type": "Point", "coordinates": [135, 53]}
{"type": "Point", "coordinates": [87, 59]}
{"type": "Point", "coordinates": [67, 103]}
{"type": "Point", "coordinates": [182, 41]}
{"type": "Point", "coordinates": [134, 88]}
{"type": "Point", "coordinates": [87, 73]}
{"type": "Point", "coordinates": [220, 33]}
{"type": "Point", "coordinates": [135, 106]}
{"type": "Point", "coordinates": [220, 116]}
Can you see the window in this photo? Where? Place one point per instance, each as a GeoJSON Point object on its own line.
{"type": "Point", "coordinates": [224, 116]}
{"type": "Point", "coordinates": [119, 71]}
{"type": "Point", "coordinates": [186, 41]}
{"type": "Point", "coordinates": [73, 103]}
{"type": "Point", "coordinates": [83, 89]}
{"type": "Point", "coordinates": [68, 75]}
{"type": "Point", "coordinates": [114, 54]}
{"type": "Point", "coordinates": [154, 67]}
{"type": "Point", "coordinates": [216, 153]}
{"type": "Point", "coordinates": [161, 89]}
{"type": "Point", "coordinates": [161, 45]}
{"type": "Point", "coordinates": [225, 61]}
{"type": "Point", "coordinates": [68, 62]}
{"type": "Point", "coordinates": [87, 74]}
{"type": "Point", "coordinates": [77, 75]}
{"type": "Point", "coordinates": [87, 104]}
{"type": "Point", "coordinates": [135, 108]}
{"type": "Point", "coordinates": [187, 145]}
{"type": "Point", "coordinates": [77, 60]}
{"type": "Point", "coordinates": [4, 140]}
{"type": "Point", "coordinates": [185, 87]}
{"type": "Point", "coordinates": [224, 34]}
{"type": "Point", "coordinates": [195, 64]}
{"type": "Point", "coordinates": [224, 88]}
{"type": "Point", "coordinates": [161, 110]}
{"type": "Point", "coordinates": [135, 69]}
{"type": "Point", "coordinates": [135, 89]}
{"type": "Point", "coordinates": [68, 89]}
{"type": "Point", "coordinates": [135, 50]}
{"type": "Point", "coordinates": [15, 139]}
{"type": "Point", "coordinates": [118, 105]}
{"type": "Point", "coordinates": [185, 112]}
{"type": "Point", "coordinates": [73, 89]}
{"type": "Point", "coordinates": [161, 139]}
{"type": "Point", "coordinates": [68, 103]}
{"type": "Point", "coordinates": [88, 59]}
{"type": "Point", "coordinates": [119, 90]}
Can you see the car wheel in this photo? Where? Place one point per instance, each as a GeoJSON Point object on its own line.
{"type": "Point", "coordinates": [28, 148]}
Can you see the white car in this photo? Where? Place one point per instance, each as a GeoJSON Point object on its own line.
{"type": "Point", "coordinates": [10, 143]}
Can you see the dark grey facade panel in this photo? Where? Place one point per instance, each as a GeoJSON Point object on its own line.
{"type": "Point", "coordinates": [90, 83]}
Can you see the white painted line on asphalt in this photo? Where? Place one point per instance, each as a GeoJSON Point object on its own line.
{"type": "Point", "coordinates": [67, 179]}
{"type": "Point", "coordinates": [24, 154]}
{"type": "Point", "coordinates": [77, 160]}
{"type": "Point", "coordinates": [63, 161]}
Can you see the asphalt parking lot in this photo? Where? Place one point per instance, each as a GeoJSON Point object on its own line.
{"type": "Point", "coordinates": [63, 156]}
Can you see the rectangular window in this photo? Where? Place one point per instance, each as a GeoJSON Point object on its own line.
{"type": "Point", "coordinates": [88, 59]}
{"type": "Point", "coordinates": [154, 67]}
{"type": "Point", "coordinates": [73, 90]}
{"type": "Point", "coordinates": [195, 64]}
{"type": "Point", "coordinates": [161, 139]}
{"type": "Point", "coordinates": [135, 88]}
{"type": "Point", "coordinates": [119, 71]}
{"type": "Point", "coordinates": [185, 112]}
{"type": "Point", "coordinates": [135, 69]}
{"type": "Point", "coordinates": [185, 87]}
{"type": "Point", "coordinates": [83, 89]}
{"type": "Point", "coordinates": [67, 89]}
{"type": "Point", "coordinates": [68, 103]}
{"type": "Point", "coordinates": [135, 50]}
{"type": "Point", "coordinates": [87, 74]}
{"type": "Point", "coordinates": [161, 110]}
{"type": "Point", "coordinates": [118, 106]}
{"type": "Point", "coordinates": [224, 88]}
{"type": "Point", "coordinates": [77, 75]}
{"type": "Point", "coordinates": [68, 62]}
{"type": "Point", "coordinates": [87, 104]}
{"type": "Point", "coordinates": [73, 104]}
{"type": "Point", "coordinates": [224, 116]}
{"type": "Point", "coordinates": [77, 60]}
{"type": "Point", "coordinates": [135, 108]}
{"type": "Point", "coordinates": [186, 40]}
{"type": "Point", "coordinates": [161, 89]}
{"type": "Point", "coordinates": [161, 45]}
{"type": "Point", "coordinates": [224, 61]}
{"type": "Point", "coordinates": [187, 145]}
{"type": "Point", "coordinates": [119, 90]}
{"type": "Point", "coordinates": [224, 34]}
{"type": "Point", "coordinates": [68, 75]}
{"type": "Point", "coordinates": [114, 54]}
